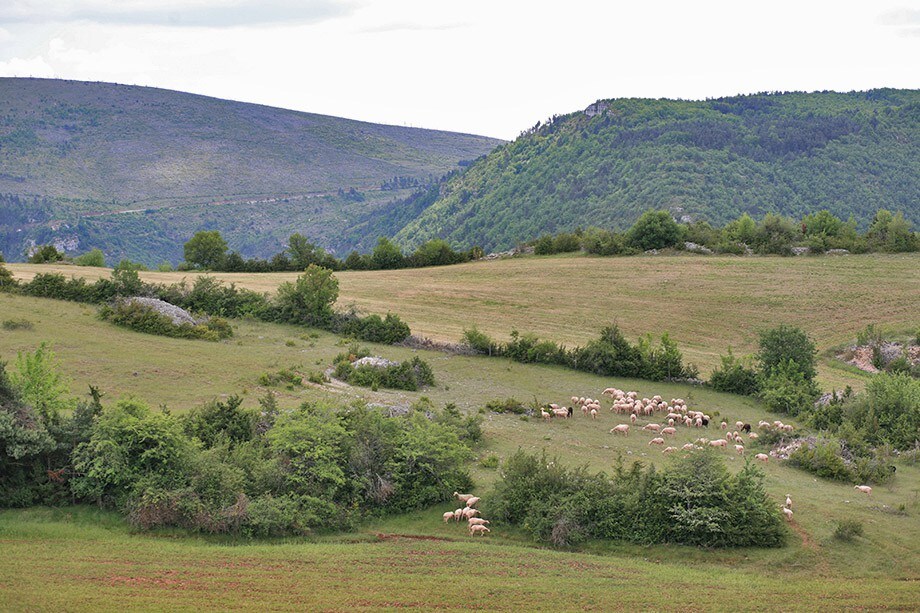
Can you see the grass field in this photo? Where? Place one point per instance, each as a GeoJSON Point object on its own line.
{"type": "Point", "coordinates": [79, 558]}
{"type": "Point", "coordinates": [706, 303]}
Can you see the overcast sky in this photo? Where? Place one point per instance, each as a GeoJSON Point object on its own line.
{"type": "Point", "coordinates": [491, 67]}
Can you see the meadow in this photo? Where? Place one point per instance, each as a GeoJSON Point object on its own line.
{"type": "Point", "coordinates": [706, 304]}
{"type": "Point", "coordinates": [81, 558]}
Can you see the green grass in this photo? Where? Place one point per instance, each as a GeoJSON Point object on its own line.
{"type": "Point", "coordinates": [81, 559]}
{"type": "Point", "coordinates": [78, 558]}
{"type": "Point", "coordinates": [706, 303]}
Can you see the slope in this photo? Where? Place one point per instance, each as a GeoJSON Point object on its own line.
{"type": "Point", "coordinates": [794, 153]}
{"type": "Point", "coordinates": [75, 151]}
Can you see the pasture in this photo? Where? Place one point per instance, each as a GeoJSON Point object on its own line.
{"type": "Point", "coordinates": [81, 558]}
{"type": "Point", "coordinates": [705, 303]}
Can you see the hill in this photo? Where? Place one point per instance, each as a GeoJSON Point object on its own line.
{"type": "Point", "coordinates": [134, 170]}
{"type": "Point", "coordinates": [791, 153]}
{"type": "Point", "coordinates": [706, 303]}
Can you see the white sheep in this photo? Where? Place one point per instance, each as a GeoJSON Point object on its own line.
{"type": "Point", "coordinates": [478, 521]}
{"type": "Point", "coordinates": [545, 415]}
{"type": "Point", "coordinates": [689, 447]}
{"type": "Point", "coordinates": [469, 512]}
{"type": "Point", "coordinates": [472, 502]}
{"type": "Point", "coordinates": [462, 497]}
{"type": "Point", "coordinates": [721, 442]}
{"type": "Point", "coordinates": [669, 431]}
{"type": "Point", "coordinates": [458, 514]}
{"type": "Point", "coordinates": [652, 427]}
{"type": "Point", "coordinates": [739, 449]}
{"type": "Point", "coordinates": [762, 457]}
{"type": "Point", "coordinates": [621, 429]}
{"type": "Point", "coordinates": [788, 501]}
{"type": "Point", "coordinates": [656, 441]}
{"type": "Point", "coordinates": [448, 516]}
{"type": "Point", "coordinates": [478, 529]}
{"type": "Point", "coordinates": [669, 449]}
{"type": "Point", "coordinates": [865, 489]}
{"type": "Point", "coordinates": [593, 413]}
{"type": "Point", "coordinates": [787, 513]}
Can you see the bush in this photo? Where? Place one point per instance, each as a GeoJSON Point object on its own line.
{"type": "Point", "coordinates": [507, 405]}
{"type": "Point", "coordinates": [603, 242]}
{"type": "Point", "coordinates": [45, 254]}
{"type": "Point", "coordinates": [697, 503]}
{"type": "Point", "coordinates": [409, 375]}
{"type": "Point", "coordinates": [17, 324]}
{"type": "Point", "coordinates": [787, 344]}
{"type": "Point", "coordinates": [374, 329]}
{"type": "Point", "coordinates": [91, 258]}
{"type": "Point", "coordinates": [309, 300]}
{"type": "Point", "coordinates": [143, 318]}
{"type": "Point", "coordinates": [848, 529]}
{"type": "Point", "coordinates": [734, 376]}
{"type": "Point", "coordinates": [654, 230]}
{"type": "Point", "coordinates": [888, 411]}
{"type": "Point", "coordinates": [784, 389]}
{"type": "Point", "coordinates": [479, 342]}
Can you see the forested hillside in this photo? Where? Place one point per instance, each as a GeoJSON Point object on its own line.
{"type": "Point", "coordinates": [793, 153]}
{"type": "Point", "coordinates": [136, 170]}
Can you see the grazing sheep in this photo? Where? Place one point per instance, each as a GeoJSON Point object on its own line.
{"type": "Point", "coordinates": [621, 429]}
{"type": "Point", "coordinates": [652, 427]}
{"type": "Point", "coordinates": [553, 406]}
{"type": "Point", "coordinates": [472, 502]}
{"type": "Point", "coordinates": [448, 516]}
{"type": "Point", "coordinates": [739, 424]}
{"type": "Point", "coordinates": [721, 442]}
{"type": "Point", "coordinates": [753, 436]}
{"type": "Point", "coordinates": [689, 447]}
{"type": "Point", "coordinates": [478, 521]}
{"type": "Point", "coordinates": [478, 529]}
{"type": "Point", "coordinates": [723, 426]}
{"type": "Point", "coordinates": [787, 513]}
{"type": "Point", "coordinates": [788, 502]}
{"type": "Point", "coordinates": [762, 457]}
{"type": "Point", "coordinates": [458, 514]}
{"type": "Point", "coordinates": [865, 489]}
{"type": "Point", "coordinates": [669, 431]}
{"type": "Point", "coordinates": [593, 413]}
{"type": "Point", "coordinates": [469, 512]}
{"type": "Point", "coordinates": [746, 428]}
{"type": "Point", "coordinates": [656, 441]}
{"type": "Point", "coordinates": [574, 399]}
{"type": "Point", "coordinates": [462, 497]}
{"type": "Point", "coordinates": [739, 449]}
{"type": "Point", "coordinates": [669, 449]}
{"type": "Point", "coordinates": [632, 417]}
{"type": "Point", "coordinates": [563, 413]}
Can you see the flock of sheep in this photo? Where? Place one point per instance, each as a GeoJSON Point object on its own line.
{"type": "Point", "coordinates": [476, 525]}
{"type": "Point", "coordinates": [629, 403]}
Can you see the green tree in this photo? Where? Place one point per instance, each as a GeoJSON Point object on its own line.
{"type": "Point", "coordinates": [387, 255]}
{"type": "Point", "coordinates": [45, 254]}
{"type": "Point", "coordinates": [91, 258]}
{"type": "Point", "coordinates": [6, 277]}
{"type": "Point", "coordinates": [206, 249]}
{"type": "Point", "coordinates": [654, 230]}
{"type": "Point", "coordinates": [787, 344]}
{"type": "Point", "coordinates": [892, 233]}
{"type": "Point", "coordinates": [775, 234]}
{"type": "Point", "coordinates": [303, 253]}
{"type": "Point", "coordinates": [310, 298]}
{"type": "Point", "coordinates": [39, 380]}
{"type": "Point", "coordinates": [742, 229]}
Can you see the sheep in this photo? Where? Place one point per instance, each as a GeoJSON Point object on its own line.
{"type": "Point", "coordinates": [865, 489]}
{"type": "Point", "coordinates": [652, 427]}
{"type": "Point", "coordinates": [469, 512]}
{"type": "Point", "coordinates": [739, 449]}
{"type": "Point", "coordinates": [621, 429]}
{"type": "Point", "coordinates": [739, 440]}
{"type": "Point", "coordinates": [762, 457]}
{"type": "Point", "coordinates": [746, 428]}
{"type": "Point", "coordinates": [472, 502]}
{"type": "Point", "coordinates": [574, 399]}
{"type": "Point", "coordinates": [478, 521]}
{"type": "Point", "coordinates": [753, 436]}
{"type": "Point", "coordinates": [787, 513]}
{"type": "Point", "coordinates": [721, 442]}
{"type": "Point", "coordinates": [545, 415]}
{"type": "Point", "coordinates": [553, 406]}
{"type": "Point", "coordinates": [563, 413]}
{"type": "Point", "coordinates": [462, 497]}
{"type": "Point", "coordinates": [669, 449]}
{"type": "Point", "coordinates": [632, 417]}
{"type": "Point", "coordinates": [788, 502]}
{"type": "Point", "coordinates": [739, 424]}
{"type": "Point", "coordinates": [656, 441]}
{"type": "Point", "coordinates": [723, 426]}
{"type": "Point", "coordinates": [448, 516]}
{"type": "Point", "coordinates": [458, 514]}
{"type": "Point", "coordinates": [669, 431]}
{"type": "Point", "coordinates": [478, 529]}
{"type": "Point", "coordinates": [689, 447]}
{"type": "Point", "coordinates": [593, 413]}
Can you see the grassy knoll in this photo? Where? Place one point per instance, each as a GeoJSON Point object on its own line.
{"type": "Point", "coordinates": [705, 303]}
{"type": "Point", "coordinates": [79, 559]}
{"type": "Point", "coordinates": [89, 564]}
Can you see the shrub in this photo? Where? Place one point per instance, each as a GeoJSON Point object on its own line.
{"type": "Point", "coordinates": [603, 242]}
{"type": "Point", "coordinates": [784, 389]}
{"type": "Point", "coordinates": [143, 318]}
{"type": "Point", "coordinates": [91, 258]}
{"type": "Point", "coordinates": [309, 300]}
{"type": "Point", "coordinates": [45, 254]}
{"type": "Point", "coordinates": [787, 344]}
{"type": "Point", "coordinates": [7, 281]}
{"type": "Point", "coordinates": [408, 375]}
{"type": "Point", "coordinates": [848, 529]}
{"type": "Point", "coordinates": [734, 376]}
{"type": "Point", "coordinates": [507, 405]}
{"type": "Point", "coordinates": [374, 329]}
{"type": "Point", "coordinates": [479, 342]}
{"type": "Point", "coordinates": [285, 376]}
{"type": "Point", "coordinates": [888, 411]}
{"type": "Point", "coordinates": [654, 230]}
{"type": "Point", "coordinates": [17, 324]}
{"type": "Point", "coordinates": [489, 461]}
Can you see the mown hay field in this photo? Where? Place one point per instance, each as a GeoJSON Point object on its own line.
{"type": "Point", "coordinates": [705, 303]}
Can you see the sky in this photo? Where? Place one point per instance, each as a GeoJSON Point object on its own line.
{"type": "Point", "coordinates": [492, 67]}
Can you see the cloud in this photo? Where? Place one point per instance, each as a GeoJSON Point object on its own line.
{"type": "Point", "coordinates": [200, 13]}
{"type": "Point", "coordinates": [900, 17]}
{"type": "Point", "coordinates": [32, 67]}
{"type": "Point", "coordinates": [405, 26]}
